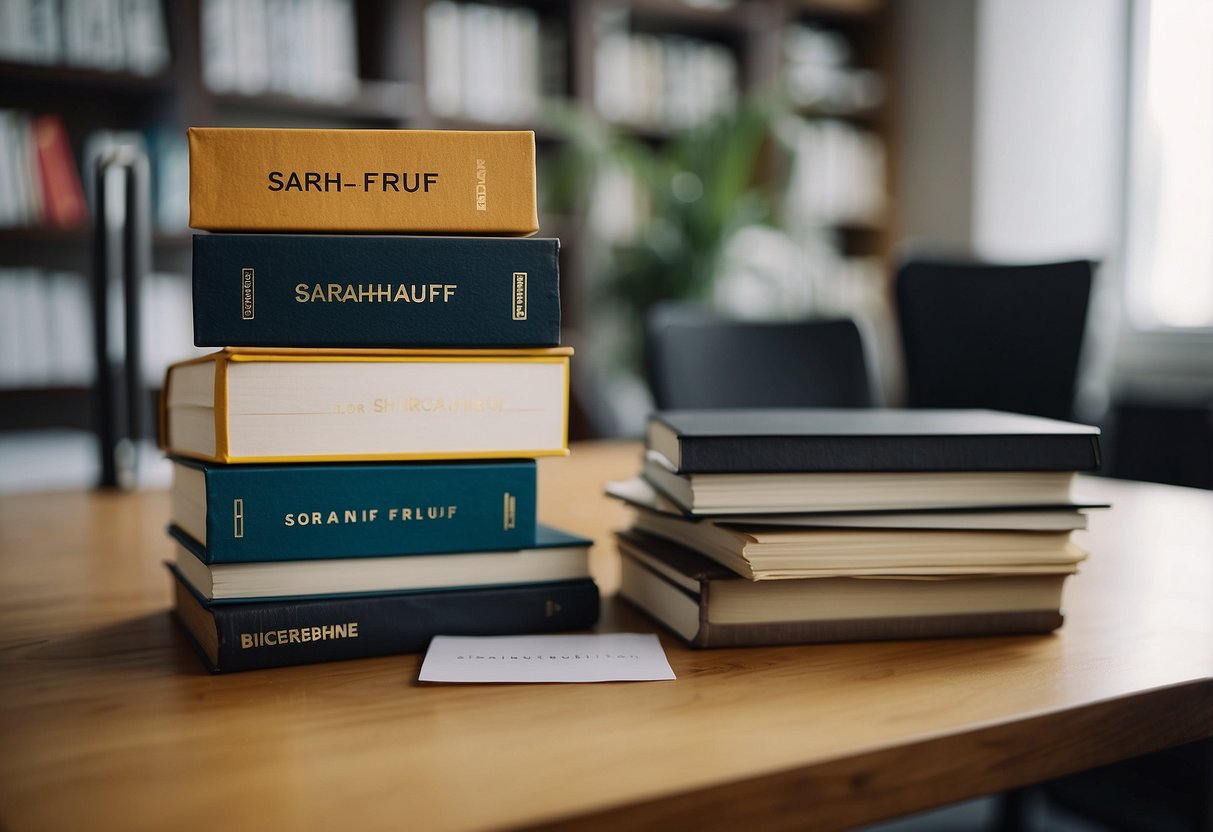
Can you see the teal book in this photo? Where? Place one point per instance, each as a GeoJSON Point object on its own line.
{"type": "Point", "coordinates": [329, 290]}
{"type": "Point", "coordinates": [249, 513]}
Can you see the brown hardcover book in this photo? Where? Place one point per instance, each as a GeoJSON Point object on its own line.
{"type": "Point", "coordinates": [419, 181]}
{"type": "Point", "coordinates": [707, 605]}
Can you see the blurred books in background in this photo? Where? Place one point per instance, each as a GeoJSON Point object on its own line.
{"type": "Point", "coordinates": [110, 35]}
{"type": "Point", "coordinates": [44, 185]}
{"type": "Point", "coordinates": [46, 328]}
{"type": "Point", "coordinates": [303, 48]}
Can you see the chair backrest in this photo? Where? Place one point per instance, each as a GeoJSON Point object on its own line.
{"type": "Point", "coordinates": [994, 336]}
{"type": "Point", "coordinates": [696, 359]}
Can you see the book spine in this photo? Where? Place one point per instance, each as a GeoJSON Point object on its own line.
{"type": "Point", "coordinates": [775, 454]}
{"type": "Point", "coordinates": [878, 629]}
{"type": "Point", "coordinates": [420, 181]}
{"type": "Point", "coordinates": [62, 193]}
{"type": "Point", "coordinates": [269, 290]}
{"type": "Point", "coordinates": [253, 636]}
{"type": "Point", "coordinates": [305, 512]}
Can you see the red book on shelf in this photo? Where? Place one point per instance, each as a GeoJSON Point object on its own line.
{"type": "Point", "coordinates": [63, 204]}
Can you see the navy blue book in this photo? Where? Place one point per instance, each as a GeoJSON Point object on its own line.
{"type": "Point", "coordinates": [325, 290]}
{"type": "Point", "coordinates": [241, 513]}
{"type": "Point", "coordinates": [249, 636]}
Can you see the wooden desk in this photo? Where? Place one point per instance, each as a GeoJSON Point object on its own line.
{"type": "Point", "coordinates": [107, 719]}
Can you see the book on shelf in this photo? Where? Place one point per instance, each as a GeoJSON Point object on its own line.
{"type": "Point", "coordinates": [661, 81]}
{"type": "Point", "coordinates": [168, 158]}
{"type": "Point", "coordinates": [107, 35]}
{"type": "Point", "coordinates": [280, 405]}
{"type": "Point", "coordinates": [640, 493]}
{"type": "Point", "coordinates": [322, 290]}
{"type": "Point", "coordinates": [555, 556]}
{"type": "Point", "coordinates": [240, 513]}
{"type": "Point", "coordinates": [63, 204]}
{"type": "Point", "coordinates": [21, 196]}
{"type": "Point", "coordinates": [868, 440]}
{"type": "Point", "coordinates": [283, 47]}
{"type": "Point", "coordinates": [485, 62]}
{"type": "Point", "coordinates": [115, 35]}
{"type": "Point", "coordinates": [45, 329]}
{"type": "Point", "coordinates": [820, 73]}
{"type": "Point", "coordinates": [417, 181]}
{"type": "Point", "coordinates": [232, 637]}
{"type": "Point", "coordinates": [30, 31]}
{"type": "Point", "coordinates": [837, 175]}
{"type": "Point", "coordinates": [762, 553]}
{"type": "Point", "coordinates": [708, 605]}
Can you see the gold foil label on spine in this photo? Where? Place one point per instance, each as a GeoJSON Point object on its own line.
{"type": "Point", "coordinates": [482, 188]}
{"type": "Point", "coordinates": [520, 296]}
{"type": "Point", "coordinates": [509, 509]}
{"type": "Point", "coordinates": [238, 518]}
{"type": "Point", "coordinates": [246, 295]}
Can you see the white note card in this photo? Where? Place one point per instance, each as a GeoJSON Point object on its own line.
{"type": "Point", "coordinates": [606, 657]}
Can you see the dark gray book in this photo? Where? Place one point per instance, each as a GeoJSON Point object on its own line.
{"type": "Point", "coordinates": [868, 440]}
{"type": "Point", "coordinates": [276, 633]}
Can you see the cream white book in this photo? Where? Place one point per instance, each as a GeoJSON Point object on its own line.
{"type": "Point", "coordinates": [781, 553]}
{"type": "Point", "coordinates": [263, 405]}
{"type": "Point", "coordinates": [784, 493]}
{"type": "Point", "coordinates": [638, 492]}
{"type": "Point", "coordinates": [556, 556]}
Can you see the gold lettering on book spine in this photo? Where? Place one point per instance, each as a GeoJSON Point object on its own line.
{"type": "Point", "coordinates": [299, 635]}
{"type": "Point", "coordinates": [520, 296]}
{"type": "Point", "coordinates": [247, 309]}
{"type": "Point", "coordinates": [482, 189]}
{"type": "Point", "coordinates": [238, 518]}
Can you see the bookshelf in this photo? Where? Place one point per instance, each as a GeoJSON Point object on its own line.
{"type": "Point", "coordinates": [405, 63]}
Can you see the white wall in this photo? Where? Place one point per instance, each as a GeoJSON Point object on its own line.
{"type": "Point", "coordinates": [1048, 129]}
{"type": "Point", "coordinates": [935, 98]}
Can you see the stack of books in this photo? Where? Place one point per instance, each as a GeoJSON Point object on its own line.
{"type": "Point", "coordinates": [354, 469]}
{"type": "Point", "coordinates": [796, 526]}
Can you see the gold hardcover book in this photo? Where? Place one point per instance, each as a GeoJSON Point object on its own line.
{"type": "Point", "coordinates": [282, 405]}
{"type": "Point", "coordinates": [420, 181]}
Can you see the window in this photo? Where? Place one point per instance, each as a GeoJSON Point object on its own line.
{"type": "Point", "coordinates": [1169, 230]}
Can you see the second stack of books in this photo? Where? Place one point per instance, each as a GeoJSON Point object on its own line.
{"type": "Point", "coordinates": [354, 471]}
{"type": "Point", "coordinates": [795, 526]}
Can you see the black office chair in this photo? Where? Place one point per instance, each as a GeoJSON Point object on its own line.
{"type": "Point", "coordinates": [1168, 791]}
{"type": "Point", "coordinates": [1009, 338]}
{"type": "Point", "coordinates": [695, 358]}
{"type": "Point", "coordinates": [993, 336]}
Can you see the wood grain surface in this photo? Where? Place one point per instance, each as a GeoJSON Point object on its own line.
{"type": "Point", "coordinates": [109, 721]}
